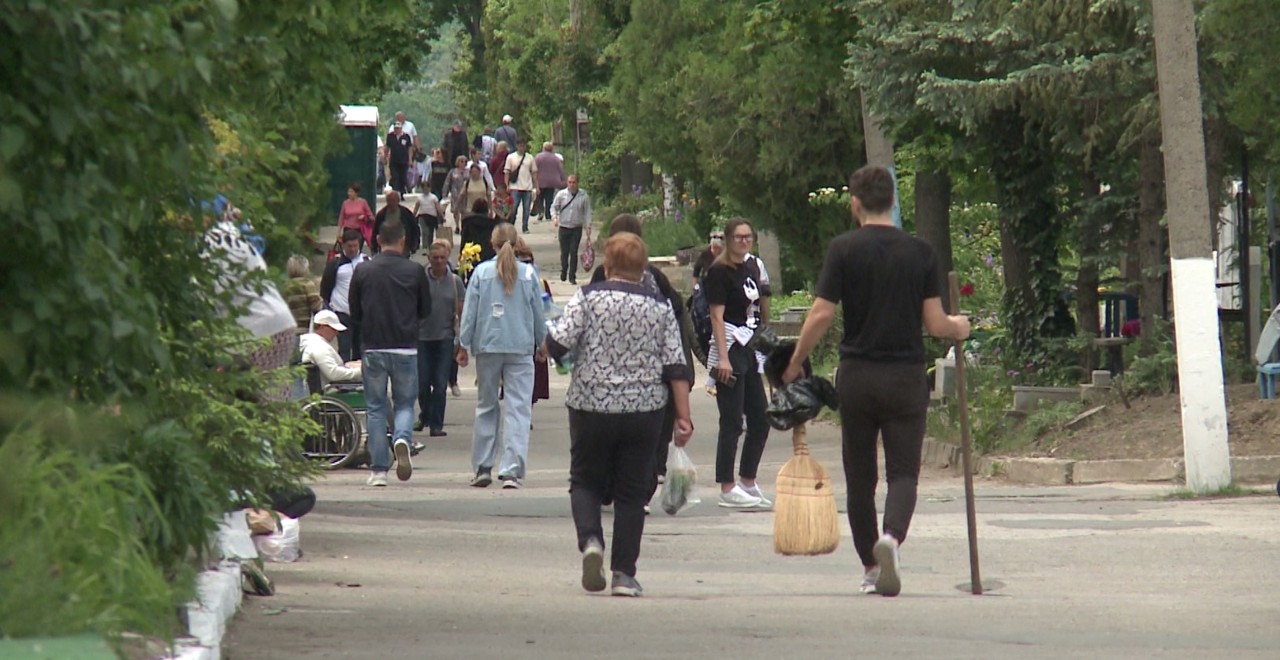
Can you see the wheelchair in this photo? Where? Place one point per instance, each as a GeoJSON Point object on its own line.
{"type": "Point", "coordinates": [340, 414]}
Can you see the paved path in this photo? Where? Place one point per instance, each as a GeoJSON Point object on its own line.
{"type": "Point", "coordinates": [432, 568]}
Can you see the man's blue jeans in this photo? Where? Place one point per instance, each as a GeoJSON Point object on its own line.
{"type": "Point", "coordinates": [434, 358]}
{"type": "Point", "coordinates": [402, 373]}
{"type": "Point", "coordinates": [521, 199]}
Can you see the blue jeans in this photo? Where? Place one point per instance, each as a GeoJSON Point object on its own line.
{"type": "Point", "coordinates": [514, 372]}
{"type": "Point", "coordinates": [402, 372]}
{"type": "Point", "coordinates": [434, 358]}
{"type": "Point", "coordinates": [521, 199]}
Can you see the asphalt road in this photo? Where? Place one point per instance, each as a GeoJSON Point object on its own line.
{"type": "Point", "coordinates": [432, 568]}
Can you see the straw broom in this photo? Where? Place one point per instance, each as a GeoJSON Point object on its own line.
{"type": "Point", "coordinates": [805, 521]}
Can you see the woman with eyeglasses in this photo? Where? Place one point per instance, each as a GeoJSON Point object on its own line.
{"type": "Point", "coordinates": [736, 291]}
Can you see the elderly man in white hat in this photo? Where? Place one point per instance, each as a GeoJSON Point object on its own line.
{"type": "Point", "coordinates": [317, 348]}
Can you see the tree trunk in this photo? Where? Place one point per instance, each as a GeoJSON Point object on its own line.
{"type": "Point", "coordinates": [1089, 240]}
{"type": "Point", "coordinates": [1030, 235]}
{"type": "Point", "coordinates": [1153, 258]}
{"type": "Point", "coordinates": [933, 219]}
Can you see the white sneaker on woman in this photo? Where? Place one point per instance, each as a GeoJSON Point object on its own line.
{"type": "Point", "coordinates": [738, 499]}
{"type": "Point", "coordinates": [754, 491]}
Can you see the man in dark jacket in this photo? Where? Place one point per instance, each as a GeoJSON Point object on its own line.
{"type": "Point", "coordinates": [389, 296]}
{"type": "Point", "coordinates": [402, 214]}
{"type": "Point", "coordinates": [455, 143]}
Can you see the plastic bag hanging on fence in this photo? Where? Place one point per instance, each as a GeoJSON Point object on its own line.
{"type": "Point", "coordinates": [682, 476]}
{"type": "Point", "coordinates": [795, 403]}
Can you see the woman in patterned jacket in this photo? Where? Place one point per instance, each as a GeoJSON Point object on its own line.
{"type": "Point", "coordinates": [628, 362]}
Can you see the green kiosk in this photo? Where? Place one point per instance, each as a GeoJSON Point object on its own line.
{"type": "Point", "coordinates": [360, 163]}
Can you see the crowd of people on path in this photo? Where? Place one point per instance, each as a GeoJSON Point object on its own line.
{"type": "Point", "coordinates": [410, 327]}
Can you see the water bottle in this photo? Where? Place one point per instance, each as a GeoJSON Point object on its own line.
{"type": "Point", "coordinates": [550, 310]}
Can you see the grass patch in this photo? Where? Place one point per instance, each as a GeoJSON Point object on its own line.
{"type": "Point", "coordinates": [1230, 490]}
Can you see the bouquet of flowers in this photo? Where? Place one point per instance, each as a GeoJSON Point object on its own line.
{"type": "Point", "coordinates": [469, 258]}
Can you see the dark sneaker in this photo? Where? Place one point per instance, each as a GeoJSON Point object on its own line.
{"type": "Point", "coordinates": [625, 585]}
{"type": "Point", "coordinates": [593, 578]}
{"type": "Point", "coordinates": [438, 433]}
{"type": "Point", "coordinates": [418, 425]}
{"type": "Point", "coordinates": [888, 583]}
{"type": "Point", "coordinates": [482, 479]}
{"type": "Point", "coordinates": [404, 464]}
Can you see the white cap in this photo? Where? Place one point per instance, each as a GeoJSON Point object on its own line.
{"type": "Point", "coordinates": [330, 318]}
{"type": "Point", "coordinates": [506, 119]}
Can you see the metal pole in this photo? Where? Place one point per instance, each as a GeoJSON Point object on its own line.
{"type": "Point", "coordinates": [966, 446]}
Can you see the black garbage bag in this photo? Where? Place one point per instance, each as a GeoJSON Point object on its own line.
{"type": "Point", "coordinates": [776, 361]}
{"type": "Point", "coordinates": [795, 403]}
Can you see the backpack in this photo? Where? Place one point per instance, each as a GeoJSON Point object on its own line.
{"type": "Point", "coordinates": [700, 318]}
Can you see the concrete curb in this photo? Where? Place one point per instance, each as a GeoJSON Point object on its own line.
{"type": "Point", "coordinates": [1064, 472]}
{"type": "Point", "coordinates": [218, 592]}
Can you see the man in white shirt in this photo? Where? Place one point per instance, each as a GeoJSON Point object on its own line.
{"type": "Point", "coordinates": [570, 213]}
{"type": "Point", "coordinates": [335, 285]}
{"type": "Point", "coordinates": [408, 128]}
{"type": "Point", "coordinates": [317, 348]}
{"type": "Point", "coordinates": [522, 173]}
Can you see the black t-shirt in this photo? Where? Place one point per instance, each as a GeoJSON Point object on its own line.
{"type": "Point", "coordinates": [439, 172]}
{"type": "Point", "coordinates": [882, 275]}
{"type": "Point", "coordinates": [738, 288]}
{"type": "Point", "coordinates": [399, 147]}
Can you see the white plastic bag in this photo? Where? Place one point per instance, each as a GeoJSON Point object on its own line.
{"type": "Point", "coordinates": [282, 545]}
{"type": "Point", "coordinates": [682, 477]}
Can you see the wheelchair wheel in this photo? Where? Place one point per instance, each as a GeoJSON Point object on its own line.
{"type": "Point", "coordinates": [340, 431]}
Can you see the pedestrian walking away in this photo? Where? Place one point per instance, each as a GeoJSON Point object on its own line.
{"type": "Point", "coordinates": [570, 213]}
{"type": "Point", "coordinates": [551, 178]}
{"type": "Point", "coordinates": [735, 293]}
{"type": "Point", "coordinates": [437, 339]}
{"type": "Point", "coordinates": [507, 132]}
{"type": "Point", "coordinates": [628, 363]}
{"type": "Point", "coordinates": [888, 283]}
{"type": "Point", "coordinates": [654, 280]}
{"type": "Point", "coordinates": [503, 326]}
{"type": "Point", "coordinates": [390, 296]}
{"type": "Point", "coordinates": [335, 287]}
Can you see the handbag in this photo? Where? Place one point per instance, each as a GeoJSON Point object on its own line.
{"type": "Point", "coordinates": [588, 256]}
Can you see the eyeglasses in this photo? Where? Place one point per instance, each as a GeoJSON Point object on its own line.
{"type": "Point", "coordinates": [745, 238]}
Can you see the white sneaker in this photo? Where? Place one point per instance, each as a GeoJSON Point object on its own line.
{"type": "Point", "coordinates": [404, 465]}
{"type": "Point", "coordinates": [593, 577]}
{"type": "Point", "coordinates": [738, 499]}
{"type": "Point", "coordinates": [869, 581]}
{"type": "Point", "coordinates": [888, 583]}
{"type": "Point", "coordinates": [377, 479]}
{"type": "Point", "coordinates": [754, 491]}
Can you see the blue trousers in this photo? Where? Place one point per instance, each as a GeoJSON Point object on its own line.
{"type": "Point", "coordinates": [401, 372]}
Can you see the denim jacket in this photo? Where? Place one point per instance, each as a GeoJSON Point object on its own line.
{"type": "Point", "coordinates": [494, 321]}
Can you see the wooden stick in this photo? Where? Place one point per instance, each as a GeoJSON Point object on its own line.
{"type": "Point", "coordinates": [962, 403]}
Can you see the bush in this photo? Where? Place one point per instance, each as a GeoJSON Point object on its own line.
{"type": "Point", "coordinates": [73, 554]}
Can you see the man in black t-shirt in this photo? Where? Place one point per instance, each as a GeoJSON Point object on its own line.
{"type": "Point", "coordinates": [888, 282]}
{"type": "Point", "coordinates": [399, 148]}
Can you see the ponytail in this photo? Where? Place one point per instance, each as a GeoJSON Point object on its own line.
{"type": "Point", "coordinates": [504, 239]}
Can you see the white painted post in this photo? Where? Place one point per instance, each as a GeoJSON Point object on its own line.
{"type": "Point", "coordinates": [1195, 300]}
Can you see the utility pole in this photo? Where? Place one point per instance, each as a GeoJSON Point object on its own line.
{"type": "Point", "coordinates": [1195, 301]}
{"type": "Point", "coordinates": [880, 152]}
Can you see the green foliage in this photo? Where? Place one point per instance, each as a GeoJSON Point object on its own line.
{"type": "Point", "coordinates": [145, 110]}
{"type": "Point", "coordinates": [989, 395]}
{"type": "Point", "coordinates": [1157, 371]}
{"type": "Point", "coordinates": [71, 559]}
